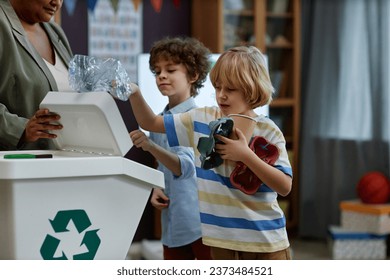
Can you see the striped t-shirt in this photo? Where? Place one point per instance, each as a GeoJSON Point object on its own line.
{"type": "Point", "coordinates": [230, 218]}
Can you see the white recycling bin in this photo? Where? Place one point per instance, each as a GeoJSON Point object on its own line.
{"type": "Point", "coordinates": [87, 200]}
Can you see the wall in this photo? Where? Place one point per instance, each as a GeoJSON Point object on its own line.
{"type": "Point", "coordinates": [171, 21]}
{"type": "Point", "coordinates": [76, 27]}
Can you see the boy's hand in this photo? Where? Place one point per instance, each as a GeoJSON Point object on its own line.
{"type": "Point", "coordinates": [122, 92]}
{"type": "Point", "coordinates": [140, 140]}
{"type": "Point", "coordinates": [159, 199]}
{"type": "Point", "coordinates": [135, 87]}
{"type": "Point", "coordinates": [132, 88]}
{"type": "Point", "coordinates": [232, 149]}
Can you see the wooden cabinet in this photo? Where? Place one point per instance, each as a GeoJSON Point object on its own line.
{"type": "Point", "coordinates": [274, 27]}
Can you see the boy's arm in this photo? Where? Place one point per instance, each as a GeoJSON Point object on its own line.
{"type": "Point", "coordinates": [179, 160]}
{"type": "Point", "coordinates": [170, 160]}
{"type": "Point", "coordinates": [145, 117]}
{"type": "Point", "coordinates": [238, 150]}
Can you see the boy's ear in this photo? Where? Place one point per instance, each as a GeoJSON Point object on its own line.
{"type": "Point", "coordinates": [194, 78]}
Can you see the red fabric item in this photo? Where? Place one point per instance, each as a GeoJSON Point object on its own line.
{"type": "Point", "coordinates": [242, 177]}
{"type": "Point", "coordinates": [157, 4]}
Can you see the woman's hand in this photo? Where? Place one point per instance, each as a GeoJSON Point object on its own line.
{"type": "Point", "coordinates": [39, 125]}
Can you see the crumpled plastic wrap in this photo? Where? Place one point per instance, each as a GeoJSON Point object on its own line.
{"type": "Point", "coordinates": [88, 73]}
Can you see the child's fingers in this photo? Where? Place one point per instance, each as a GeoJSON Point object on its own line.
{"type": "Point", "coordinates": [239, 133]}
{"type": "Point", "coordinates": [145, 132]}
{"type": "Point", "coordinates": [137, 135]}
{"type": "Point", "coordinates": [222, 138]}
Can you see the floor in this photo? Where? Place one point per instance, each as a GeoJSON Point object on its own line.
{"type": "Point", "coordinates": [310, 249]}
{"type": "Point", "coordinates": [317, 249]}
{"type": "Point", "coordinates": [301, 249]}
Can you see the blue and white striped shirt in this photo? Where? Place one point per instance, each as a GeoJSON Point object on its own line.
{"type": "Point", "coordinates": [230, 218]}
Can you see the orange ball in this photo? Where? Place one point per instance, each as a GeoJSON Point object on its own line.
{"type": "Point", "coordinates": [374, 188]}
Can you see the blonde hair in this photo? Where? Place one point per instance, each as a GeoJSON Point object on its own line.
{"type": "Point", "coordinates": [244, 68]}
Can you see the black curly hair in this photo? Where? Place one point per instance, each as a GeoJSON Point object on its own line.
{"type": "Point", "coordinates": [185, 50]}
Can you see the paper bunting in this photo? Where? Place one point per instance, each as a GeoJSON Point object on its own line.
{"type": "Point", "coordinates": [92, 4]}
{"type": "Point", "coordinates": [176, 3]}
{"type": "Point", "coordinates": [70, 6]}
{"type": "Point", "coordinates": [157, 4]}
{"type": "Point", "coordinates": [114, 4]}
{"type": "Point", "coordinates": [136, 4]}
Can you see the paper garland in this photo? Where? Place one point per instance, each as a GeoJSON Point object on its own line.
{"type": "Point", "coordinates": [70, 5]}
{"type": "Point", "coordinates": [114, 3]}
{"type": "Point", "coordinates": [157, 4]}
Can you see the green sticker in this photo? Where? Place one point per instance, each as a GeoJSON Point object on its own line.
{"type": "Point", "coordinates": [59, 224]}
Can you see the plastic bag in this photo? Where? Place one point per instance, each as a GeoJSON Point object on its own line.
{"type": "Point", "coordinates": [88, 73]}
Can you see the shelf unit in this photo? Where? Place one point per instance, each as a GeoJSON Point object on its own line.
{"type": "Point", "coordinates": [274, 27]}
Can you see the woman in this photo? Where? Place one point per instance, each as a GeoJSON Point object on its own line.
{"type": "Point", "coordinates": [33, 61]}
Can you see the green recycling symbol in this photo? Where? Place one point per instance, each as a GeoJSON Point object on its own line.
{"type": "Point", "coordinates": [59, 224]}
